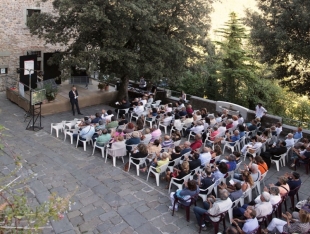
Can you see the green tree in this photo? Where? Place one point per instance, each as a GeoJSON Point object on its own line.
{"type": "Point", "coordinates": [238, 71]}
{"type": "Point", "coordinates": [128, 38]}
{"type": "Point", "coordinates": [280, 30]}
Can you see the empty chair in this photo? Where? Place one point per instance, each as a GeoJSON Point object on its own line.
{"type": "Point", "coordinates": [101, 147]}
{"type": "Point", "coordinates": [70, 124]}
{"type": "Point", "coordinates": [57, 127]}
{"type": "Point", "coordinates": [70, 133]}
{"type": "Point", "coordinates": [88, 139]}
{"type": "Point", "coordinates": [115, 153]}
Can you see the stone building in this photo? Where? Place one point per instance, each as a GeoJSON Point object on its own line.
{"type": "Point", "coordinates": [15, 37]}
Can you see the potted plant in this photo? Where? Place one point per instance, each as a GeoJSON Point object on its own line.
{"type": "Point", "coordinates": [50, 92]}
{"type": "Point", "coordinates": [101, 86]}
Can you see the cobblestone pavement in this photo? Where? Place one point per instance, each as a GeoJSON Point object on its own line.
{"type": "Point", "coordinates": [108, 200]}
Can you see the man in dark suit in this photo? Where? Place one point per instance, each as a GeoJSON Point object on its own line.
{"type": "Point", "coordinates": [73, 95]}
{"type": "Point", "coordinates": [274, 152]}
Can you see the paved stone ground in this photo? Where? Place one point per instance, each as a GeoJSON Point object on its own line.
{"type": "Point", "coordinates": [108, 200]}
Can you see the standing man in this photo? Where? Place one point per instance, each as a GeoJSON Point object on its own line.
{"type": "Point", "coordinates": [260, 111]}
{"type": "Point", "coordinates": [73, 95]}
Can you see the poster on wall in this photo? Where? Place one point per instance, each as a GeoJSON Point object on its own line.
{"type": "Point", "coordinates": [28, 66]}
{"type": "Point", "coordinates": [3, 71]}
{"type": "Point", "coordinates": [21, 89]}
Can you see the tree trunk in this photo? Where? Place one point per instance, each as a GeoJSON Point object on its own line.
{"type": "Point", "coordinates": [123, 89]}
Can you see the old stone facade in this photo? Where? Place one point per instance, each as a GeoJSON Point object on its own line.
{"type": "Point", "coordinates": [15, 38]}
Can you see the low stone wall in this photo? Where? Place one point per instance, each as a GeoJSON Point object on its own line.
{"type": "Point", "coordinates": [211, 105]}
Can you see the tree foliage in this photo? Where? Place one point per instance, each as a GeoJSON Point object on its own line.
{"type": "Point", "coordinates": [128, 38]}
{"type": "Point", "coordinates": [237, 72]}
{"type": "Point", "coordinates": [281, 32]}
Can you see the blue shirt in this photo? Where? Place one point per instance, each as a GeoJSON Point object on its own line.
{"type": "Point", "coordinates": [88, 131]}
{"type": "Point", "coordinates": [132, 141]}
{"type": "Point", "coordinates": [250, 225]}
{"type": "Point", "coordinates": [297, 135]}
{"type": "Point", "coordinates": [234, 138]}
{"type": "Point", "coordinates": [241, 134]}
{"type": "Point", "coordinates": [231, 165]}
{"type": "Point", "coordinates": [186, 150]}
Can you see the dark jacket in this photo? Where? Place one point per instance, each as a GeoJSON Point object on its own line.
{"type": "Point", "coordinates": [71, 95]}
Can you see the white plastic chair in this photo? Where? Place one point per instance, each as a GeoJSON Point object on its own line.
{"type": "Point", "coordinates": [87, 139]}
{"type": "Point", "coordinates": [162, 169]}
{"type": "Point", "coordinates": [135, 116]}
{"type": "Point", "coordinates": [174, 163]}
{"type": "Point", "coordinates": [181, 182]}
{"type": "Point", "coordinates": [230, 210]}
{"type": "Point", "coordinates": [150, 121]}
{"type": "Point", "coordinates": [164, 126]}
{"type": "Point", "coordinates": [247, 193]}
{"type": "Point", "coordinates": [70, 124]}
{"type": "Point", "coordinates": [193, 135]}
{"type": "Point", "coordinates": [231, 147]}
{"type": "Point", "coordinates": [132, 147]}
{"type": "Point", "coordinates": [141, 162]}
{"type": "Point", "coordinates": [147, 140]}
{"type": "Point", "coordinates": [119, 152]}
{"type": "Point", "coordinates": [102, 148]}
{"type": "Point", "coordinates": [57, 127]}
{"type": "Point", "coordinates": [126, 112]}
{"type": "Point", "coordinates": [70, 133]}
{"type": "Point", "coordinates": [177, 143]}
{"type": "Point", "coordinates": [279, 160]}
{"type": "Point", "coordinates": [156, 103]}
{"type": "Point", "coordinates": [262, 178]}
{"type": "Point", "coordinates": [206, 191]}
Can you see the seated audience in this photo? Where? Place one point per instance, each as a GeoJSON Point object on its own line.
{"type": "Point", "coordinates": [274, 152]}
{"type": "Point", "coordinates": [113, 123]}
{"type": "Point", "coordinates": [140, 123]}
{"type": "Point", "coordinates": [282, 184]}
{"type": "Point", "coordinates": [249, 224]}
{"type": "Point", "coordinates": [186, 147]}
{"type": "Point", "coordinates": [298, 134]}
{"type": "Point", "coordinates": [103, 137]}
{"type": "Point", "coordinates": [129, 128]}
{"type": "Point", "coordinates": [139, 152]}
{"type": "Point", "coordinates": [205, 156]}
{"type": "Point", "coordinates": [134, 140]}
{"type": "Point", "coordinates": [205, 179]}
{"type": "Point", "coordinates": [262, 208]}
{"type": "Point", "coordinates": [157, 162]}
{"type": "Point", "coordinates": [178, 172]}
{"type": "Point", "coordinates": [190, 189]}
{"type": "Point", "coordinates": [96, 118]}
{"type": "Point", "coordinates": [155, 132]}
{"type": "Point", "coordinates": [290, 225]}
{"type": "Point", "coordinates": [121, 106]}
{"type": "Point", "coordinates": [155, 147]}
{"type": "Point", "coordinates": [197, 143]}
{"type": "Point", "coordinates": [123, 120]}
{"type": "Point", "coordinates": [213, 206]}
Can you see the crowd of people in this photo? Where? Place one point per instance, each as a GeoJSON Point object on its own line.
{"type": "Point", "coordinates": [210, 132]}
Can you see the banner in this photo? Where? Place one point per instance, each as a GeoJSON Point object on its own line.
{"type": "Point", "coordinates": [21, 89]}
{"type": "Point", "coordinates": [28, 65]}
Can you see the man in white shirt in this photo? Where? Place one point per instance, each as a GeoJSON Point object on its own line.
{"type": "Point", "coordinates": [138, 110]}
{"type": "Point", "coordinates": [205, 156]}
{"type": "Point", "coordinates": [143, 100]}
{"type": "Point", "coordinates": [275, 196]}
{"type": "Point", "coordinates": [142, 84]}
{"type": "Point", "coordinates": [213, 206]}
{"type": "Point", "coordinates": [250, 223]}
{"type": "Point", "coordinates": [106, 115]}
{"type": "Point", "coordinates": [263, 208]}
{"type": "Point", "coordinates": [222, 129]}
{"type": "Point", "coordinates": [167, 119]}
{"type": "Point", "coordinates": [253, 146]}
{"type": "Point", "coordinates": [260, 111]}
{"type": "Point", "coordinates": [197, 129]}
{"type": "Point", "coordinates": [289, 140]}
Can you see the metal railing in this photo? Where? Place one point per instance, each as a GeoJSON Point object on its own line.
{"type": "Point", "coordinates": [84, 80]}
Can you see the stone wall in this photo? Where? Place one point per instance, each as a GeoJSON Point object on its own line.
{"type": "Point", "coordinates": [268, 120]}
{"type": "Point", "coordinates": [15, 38]}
